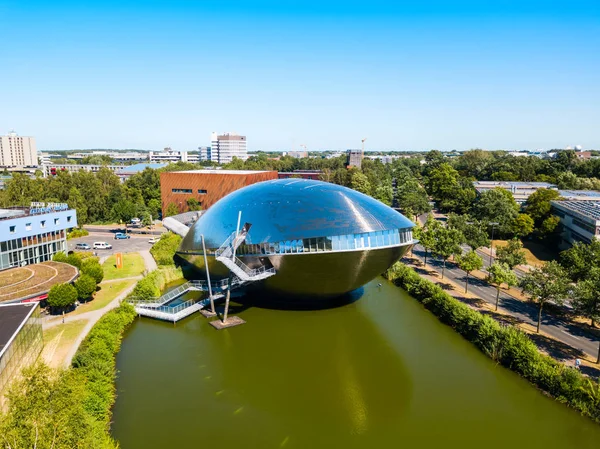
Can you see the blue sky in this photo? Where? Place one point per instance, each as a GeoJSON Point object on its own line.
{"type": "Point", "coordinates": [405, 75]}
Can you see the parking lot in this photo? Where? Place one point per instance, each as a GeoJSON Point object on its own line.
{"type": "Point", "coordinates": [133, 244]}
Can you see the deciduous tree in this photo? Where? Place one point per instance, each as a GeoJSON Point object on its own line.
{"type": "Point", "coordinates": [512, 254]}
{"type": "Point", "coordinates": [61, 296]}
{"type": "Point", "coordinates": [545, 284]}
{"type": "Point", "coordinates": [85, 286]}
{"type": "Point", "coordinates": [447, 243]}
{"type": "Point", "coordinates": [468, 263]}
{"type": "Point", "coordinates": [500, 273]}
{"type": "Point", "coordinates": [523, 225]}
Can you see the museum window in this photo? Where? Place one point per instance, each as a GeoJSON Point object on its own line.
{"type": "Point", "coordinates": [43, 224]}
{"type": "Point", "coordinates": [69, 219]}
{"type": "Point", "coordinates": [202, 191]}
{"type": "Point", "coordinates": [12, 229]}
{"type": "Point", "coordinates": [181, 190]}
{"type": "Point", "coordinates": [28, 226]}
{"type": "Point", "coordinates": [57, 221]}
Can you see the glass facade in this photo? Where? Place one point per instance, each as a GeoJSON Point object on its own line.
{"type": "Point", "coordinates": [22, 351]}
{"type": "Point", "coordinates": [31, 249]}
{"type": "Point", "coordinates": [367, 240]}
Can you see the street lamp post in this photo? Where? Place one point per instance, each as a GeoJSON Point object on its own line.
{"type": "Point", "coordinates": [493, 224]}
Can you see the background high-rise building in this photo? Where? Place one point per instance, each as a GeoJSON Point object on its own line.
{"type": "Point", "coordinates": [227, 146]}
{"type": "Point", "coordinates": [17, 151]}
{"type": "Point", "coordinates": [354, 158]}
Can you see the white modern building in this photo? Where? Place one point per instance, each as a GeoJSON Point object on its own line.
{"type": "Point", "coordinates": [520, 190]}
{"type": "Point", "coordinates": [205, 153]}
{"type": "Point", "coordinates": [227, 146]}
{"type": "Point", "coordinates": [34, 234]}
{"type": "Point", "coordinates": [168, 155]}
{"type": "Point", "coordinates": [580, 221]}
{"type": "Point", "coordinates": [17, 151]}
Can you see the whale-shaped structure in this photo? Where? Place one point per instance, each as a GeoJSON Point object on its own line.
{"type": "Point", "coordinates": [297, 238]}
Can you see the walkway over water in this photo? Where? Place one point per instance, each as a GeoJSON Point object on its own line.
{"type": "Point", "coordinates": [240, 274]}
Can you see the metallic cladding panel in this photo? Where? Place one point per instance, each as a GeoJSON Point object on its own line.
{"type": "Point", "coordinates": [317, 275]}
{"type": "Point", "coordinates": [289, 209]}
{"type": "Point", "coordinates": [216, 184]}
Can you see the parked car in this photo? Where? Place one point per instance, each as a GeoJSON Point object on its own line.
{"type": "Point", "coordinates": [102, 245]}
{"type": "Point", "coordinates": [83, 246]}
{"type": "Point", "coordinates": [153, 240]}
{"type": "Point", "coordinates": [122, 236]}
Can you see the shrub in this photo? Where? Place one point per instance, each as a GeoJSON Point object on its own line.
{"type": "Point", "coordinates": [60, 257]}
{"type": "Point", "coordinates": [62, 295]}
{"type": "Point", "coordinates": [153, 284]}
{"type": "Point", "coordinates": [163, 251]}
{"type": "Point", "coordinates": [85, 286]}
{"type": "Point", "coordinates": [95, 359]}
{"type": "Point", "coordinates": [77, 232]}
{"type": "Point", "coordinates": [92, 267]}
{"type": "Point", "coordinates": [75, 260]}
{"type": "Point", "coordinates": [507, 345]}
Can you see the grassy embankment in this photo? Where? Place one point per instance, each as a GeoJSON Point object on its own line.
{"type": "Point", "coordinates": [506, 345]}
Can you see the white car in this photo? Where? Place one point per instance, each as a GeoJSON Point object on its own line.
{"type": "Point", "coordinates": [154, 240]}
{"type": "Point", "coordinates": [102, 245]}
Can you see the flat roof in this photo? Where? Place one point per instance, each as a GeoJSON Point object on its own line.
{"type": "Point", "coordinates": [579, 194]}
{"type": "Point", "coordinates": [518, 184]}
{"type": "Point", "coordinates": [225, 172]}
{"type": "Point", "coordinates": [588, 209]}
{"type": "Point", "coordinates": [12, 316]}
{"type": "Point", "coordinates": [140, 167]}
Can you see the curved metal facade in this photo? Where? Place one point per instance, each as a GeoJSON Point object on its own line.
{"type": "Point", "coordinates": [323, 239]}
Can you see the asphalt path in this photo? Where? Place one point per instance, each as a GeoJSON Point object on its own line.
{"type": "Point", "coordinates": [556, 327]}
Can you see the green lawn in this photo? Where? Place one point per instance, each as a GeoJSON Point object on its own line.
{"type": "Point", "coordinates": [70, 331]}
{"type": "Point", "coordinates": [133, 265]}
{"type": "Point", "coordinates": [104, 296]}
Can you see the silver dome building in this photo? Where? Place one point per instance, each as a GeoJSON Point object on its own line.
{"type": "Point", "coordinates": [297, 238]}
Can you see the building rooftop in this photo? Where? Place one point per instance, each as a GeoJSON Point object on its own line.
{"type": "Point", "coordinates": [33, 209]}
{"type": "Point", "coordinates": [580, 194]}
{"type": "Point", "coordinates": [588, 209]}
{"type": "Point", "coordinates": [225, 172]}
{"type": "Point", "coordinates": [513, 184]}
{"type": "Point", "coordinates": [12, 317]}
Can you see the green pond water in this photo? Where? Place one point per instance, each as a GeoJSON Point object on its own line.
{"type": "Point", "coordinates": [378, 372]}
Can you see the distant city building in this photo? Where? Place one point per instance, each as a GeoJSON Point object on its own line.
{"type": "Point", "coordinates": [584, 155]}
{"type": "Point", "coordinates": [17, 151]}
{"type": "Point", "coordinates": [580, 220]}
{"type": "Point", "coordinates": [127, 171]}
{"type": "Point", "coordinates": [168, 155]}
{"type": "Point", "coordinates": [296, 154]}
{"type": "Point", "coordinates": [21, 341]}
{"type": "Point", "coordinates": [34, 234]}
{"type": "Point", "coordinates": [205, 186]}
{"type": "Point", "coordinates": [52, 169]}
{"type": "Point", "coordinates": [520, 190]}
{"type": "Point", "coordinates": [227, 146]}
{"type": "Point", "coordinates": [518, 153]}
{"type": "Point", "coordinates": [204, 153]}
{"type": "Point", "coordinates": [354, 158]}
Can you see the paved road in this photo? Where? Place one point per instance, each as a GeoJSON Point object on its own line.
{"type": "Point", "coordinates": [558, 328]}
{"type": "Point", "coordinates": [131, 245]}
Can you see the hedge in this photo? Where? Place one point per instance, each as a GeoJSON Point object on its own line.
{"type": "Point", "coordinates": [163, 251]}
{"type": "Point", "coordinates": [77, 232]}
{"type": "Point", "coordinates": [154, 283]}
{"type": "Point", "coordinates": [506, 345]}
{"type": "Point", "coordinates": [96, 360]}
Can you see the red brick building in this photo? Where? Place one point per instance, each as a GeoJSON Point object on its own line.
{"type": "Point", "coordinates": [206, 186]}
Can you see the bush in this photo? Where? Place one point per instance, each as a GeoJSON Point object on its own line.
{"type": "Point", "coordinates": [85, 286]}
{"type": "Point", "coordinates": [154, 283]}
{"type": "Point", "coordinates": [62, 295]}
{"type": "Point", "coordinates": [163, 251]}
{"type": "Point", "coordinates": [60, 257]}
{"type": "Point", "coordinates": [77, 232]}
{"type": "Point", "coordinates": [506, 345]}
{"type": "Point", "coordinates": [95, 359]}
{"type": "Point", "coordinates": [92, 267]}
